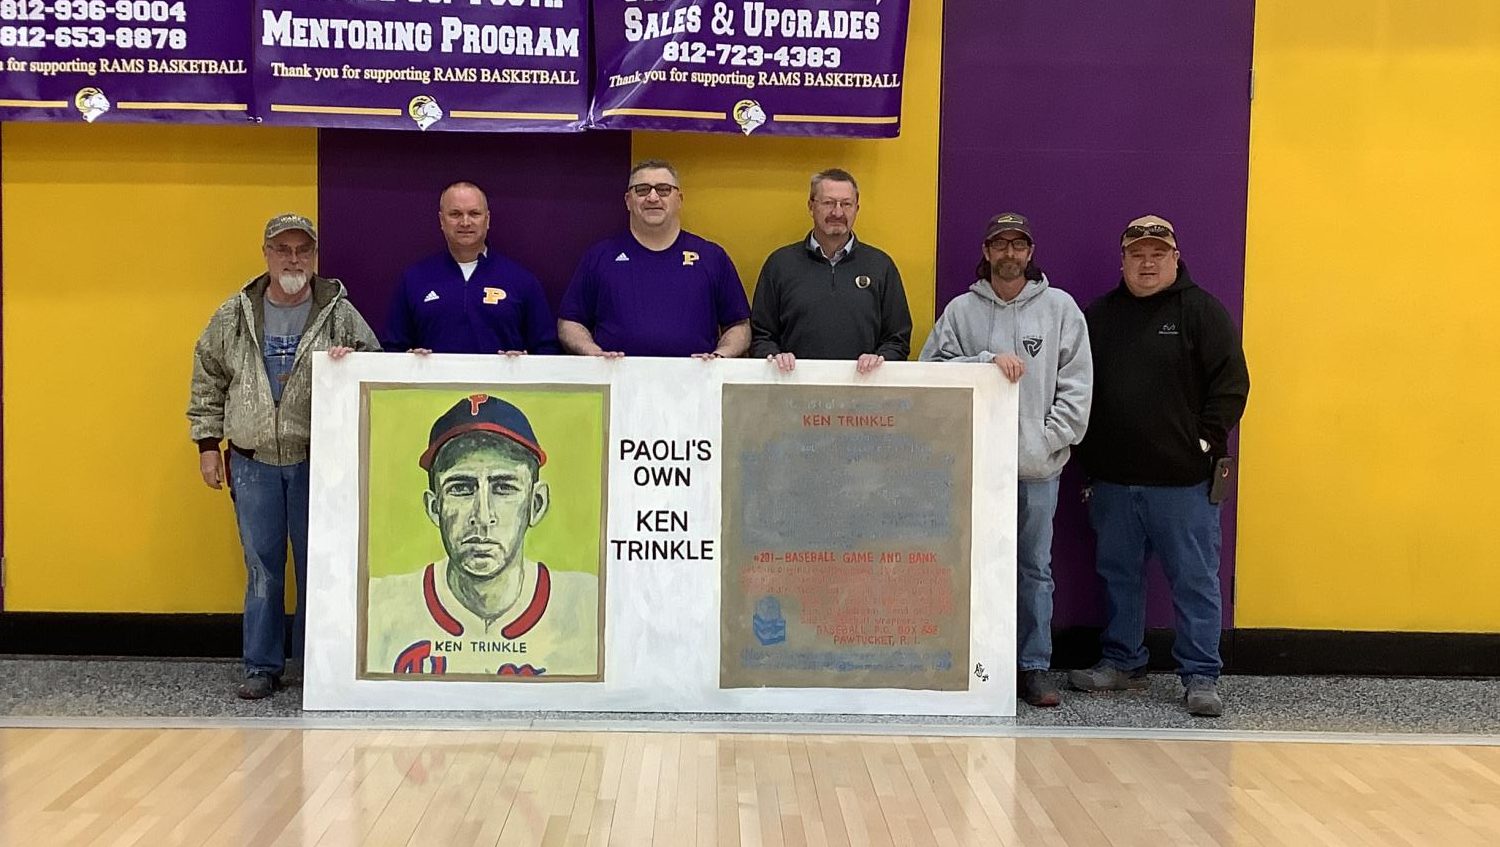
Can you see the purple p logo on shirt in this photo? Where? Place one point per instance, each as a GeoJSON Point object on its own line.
{"type": "Point", "coordinates": [689, 258]}
{"type": "Point", "coordinates": [493, 296]}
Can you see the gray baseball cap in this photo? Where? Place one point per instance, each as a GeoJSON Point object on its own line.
{"type": "Point", "coordinates": [288, 222]}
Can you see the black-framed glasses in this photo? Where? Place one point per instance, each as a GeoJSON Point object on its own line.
{"type": "Point", "coordinates": [662, 189]}
{"type": "Point", "coordinates": [1149, 231]}
{"type": "Point", "coordinates": [1020, 245]}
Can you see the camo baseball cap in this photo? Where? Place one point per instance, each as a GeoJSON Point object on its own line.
{"type": "Point", "coordinates": [287, 222]}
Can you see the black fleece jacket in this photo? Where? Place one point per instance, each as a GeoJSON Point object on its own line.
{"type": "Point", "coordinates": [1168, 370]}
{"type": "Point", "coordinates": [807, 306]}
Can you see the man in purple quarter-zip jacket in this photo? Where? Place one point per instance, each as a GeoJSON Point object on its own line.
{"type": "Point", "coordinates": [468, 298]}
{"type": "Point", "coordinates": [655, 289]}
{"type": "Point", "coordinates": [1170, 382]}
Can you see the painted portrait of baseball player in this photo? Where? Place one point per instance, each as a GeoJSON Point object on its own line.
{"type": "Point", "coordinates": [488, 608]}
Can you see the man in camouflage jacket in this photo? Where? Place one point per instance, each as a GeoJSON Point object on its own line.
{"type": "Point", "coordinates": [252, 385]}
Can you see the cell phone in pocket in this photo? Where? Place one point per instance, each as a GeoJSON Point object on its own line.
{"type": "Point", "coordinates": [1218, 487]}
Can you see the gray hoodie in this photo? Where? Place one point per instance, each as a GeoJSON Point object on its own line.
{"type": "Point", "coordinates": [1045, 328]}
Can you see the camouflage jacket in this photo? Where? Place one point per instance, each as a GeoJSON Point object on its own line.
{"type": "Point", "coordinates": [231, 393]}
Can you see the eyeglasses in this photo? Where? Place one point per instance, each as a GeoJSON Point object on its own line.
{"type": "Point", "coordinates": [662, 189]}
{"type": "Point", "coordinates": [1020, 245]}
{"type": "Point", "coordinates": [1151, 231]}
{"type": "Point", "coordinates": [842, 205]}
{"type": "Point", "coordinates": [286, 252]}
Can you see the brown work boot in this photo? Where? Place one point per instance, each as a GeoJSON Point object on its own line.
{"type": "Point", "coordinates": [1037, 689]}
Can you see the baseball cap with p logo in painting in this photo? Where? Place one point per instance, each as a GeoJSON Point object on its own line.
{"type": "Point", "coordinates": [1149, 226]}
{"type": "Point", "coordinates": [481, 413]}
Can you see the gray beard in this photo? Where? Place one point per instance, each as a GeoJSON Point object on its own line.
{"type": "Point", "coordinates": [292, 283]}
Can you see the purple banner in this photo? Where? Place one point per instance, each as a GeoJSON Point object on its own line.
{"type": "Point", "coordinates": [124, 60]}
{"type": "Point", "coordinates": [767, 67]}
{"type": "Point", "coordinates": [468, 65]}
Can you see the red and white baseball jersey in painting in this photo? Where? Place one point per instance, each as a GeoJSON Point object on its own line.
{"type": "Point", "coordinates": [416, 625]}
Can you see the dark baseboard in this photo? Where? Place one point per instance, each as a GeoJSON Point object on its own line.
{"type": "Point", "coordinates": [1267, 652]}
{"type": "Point", "coordinates": [1313, 652]}
{"type": "Point", "coordinates": [1261, 652]}
{"type": "Point", "coordinates": [205, 636]}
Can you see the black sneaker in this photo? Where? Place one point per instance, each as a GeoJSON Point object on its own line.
{"type": "Point", "coordinates": [258, 686]}
{"type": "Point", "coordinates": [1037, 689]}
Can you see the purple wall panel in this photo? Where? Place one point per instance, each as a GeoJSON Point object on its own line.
{"type": "Point", "coordinates": [2, 456]}
{"type": "Point", "coordinates": [1082, 116]}
{"type": "Point", "coordinates": [550, 198]}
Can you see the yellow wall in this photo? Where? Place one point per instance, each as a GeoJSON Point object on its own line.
{"type": "Point", "coordinates": [750, 194]}
{"type": "Point", "coordinates": [119, 243]}
{"type": "Point", "coordinates": [1372, 441]}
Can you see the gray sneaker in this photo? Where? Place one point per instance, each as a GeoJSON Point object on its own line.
{"type": "Point", "coordinates": [1104, 677]}
{"type": "Point", "coordinates": [258, 686]}
{"type": "Point", "coordinates": [1202, 697]}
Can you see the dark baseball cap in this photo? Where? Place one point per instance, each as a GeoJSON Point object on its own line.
{"type": "Point", "coordinates": [1007, 221]}
{"type": "Point", "coordinates": [481, 413]}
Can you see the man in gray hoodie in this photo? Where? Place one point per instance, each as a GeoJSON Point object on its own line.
{"type": "Point", "coordinates": [1036, 336]}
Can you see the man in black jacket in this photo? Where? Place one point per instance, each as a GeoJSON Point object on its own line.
{"type": "Point", "coordinates": [830, 296]}
{"type": "Point", "coordinates": [1170, 383]}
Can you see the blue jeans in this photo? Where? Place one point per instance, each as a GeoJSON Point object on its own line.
{"type": "Point", "coordinates": [270, 504]}
{"type": "Point", "coordinates": [1178, 523]}
{"type": "Point", "coordinates": [1036, 501]}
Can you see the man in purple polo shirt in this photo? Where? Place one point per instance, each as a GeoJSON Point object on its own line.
{"type": "Point", "coordinates": [656, 289]}
{"type": "Point", "coordinates": [469, 298]}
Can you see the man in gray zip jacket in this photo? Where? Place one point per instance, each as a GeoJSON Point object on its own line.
{"type": "Point", "coordinates": [1036, 336]}
{"type": "Point", "coordinates": [252, 384]}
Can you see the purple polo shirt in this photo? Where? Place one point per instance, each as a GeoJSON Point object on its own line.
{"type": "Point", "coordinates": [642, 302]}
{"type": "Point", "coordinates": [501, 307]}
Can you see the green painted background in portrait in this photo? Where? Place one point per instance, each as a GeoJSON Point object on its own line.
{"type": "Point", "coordinates": [569, 422]}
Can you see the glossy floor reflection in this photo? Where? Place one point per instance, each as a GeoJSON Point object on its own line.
{"type": "Point", "coordinates": [336, 787]}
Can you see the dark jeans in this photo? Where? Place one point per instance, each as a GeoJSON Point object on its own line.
{"type": "Point", "coordinates": [1179, 524]}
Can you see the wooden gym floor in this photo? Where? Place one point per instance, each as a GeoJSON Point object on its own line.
{"type": "Point", "coordinates": [298, 786]}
